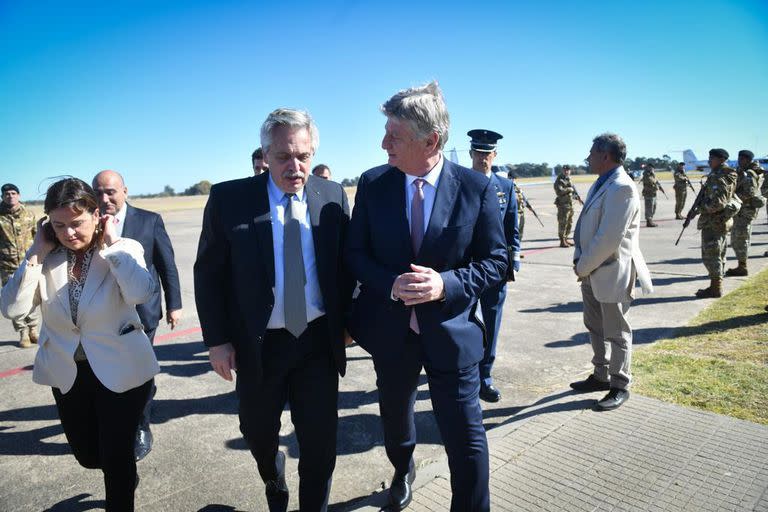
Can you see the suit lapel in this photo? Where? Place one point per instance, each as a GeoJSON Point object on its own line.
{"type": "Point", "coordinates": [262, 225]}
{"type": "Point", "coordinates": [58, 264]}
{"type": "Point", "coordinates": [393, 204]}
{"type": "Point", "coordinates": [128, 231]}
{"type": "Point", "coordinates": [445, 196]}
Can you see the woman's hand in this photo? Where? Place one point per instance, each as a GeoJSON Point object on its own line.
{"type": "Point", "coordinates": [108, 229]}
{"type": "Point", "coordinates": [43, 243]}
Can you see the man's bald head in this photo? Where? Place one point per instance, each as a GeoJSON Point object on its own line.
{"type": "Point", "coordinates": [111, 190]}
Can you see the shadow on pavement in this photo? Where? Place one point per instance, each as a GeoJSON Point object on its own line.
{"type": "Point", "coordinates": [666, 281]}
{"type": "Point", "coordinates": [562, 307]}
{"type": "Point", "coordinates": [639, 337]}
{"type": "Point", "coordinates": [676, 261]}
{"type": "Point", "coordinates": [76, 504]}
{"type": "Point", "coordinates": [219, 508]}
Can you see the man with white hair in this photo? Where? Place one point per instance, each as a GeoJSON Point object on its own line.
{"type": "Point", "coordinates": [271, 294]}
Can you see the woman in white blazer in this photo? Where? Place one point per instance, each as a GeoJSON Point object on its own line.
{"type": "Point", "coordinates": [92, 349]}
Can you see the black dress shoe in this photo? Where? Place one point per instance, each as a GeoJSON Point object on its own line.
{"type": "Point", "coordinates": [590, 384]}
{"type": "Point", "coordinates": [277, 490]}
{"type": "Point", "coordinates": [489, 394]}
{"type": "Point", "coordinates": [613, 400]}
{"type": "Point", "coordinates": [400, 493]}
{"type": "Point", "coordinates": [143, 444]}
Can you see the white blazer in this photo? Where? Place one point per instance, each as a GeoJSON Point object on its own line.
{"type": "Point", "coordinates": [117, 280]}
{"type": "Point", "coordinates": [608, 248]}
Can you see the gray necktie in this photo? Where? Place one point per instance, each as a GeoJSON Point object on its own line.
{"type": "Point", "coordinates": [294, 276]}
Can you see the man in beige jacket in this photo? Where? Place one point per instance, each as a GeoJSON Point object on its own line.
{"type": "Point", "coordinates": [608, 261]}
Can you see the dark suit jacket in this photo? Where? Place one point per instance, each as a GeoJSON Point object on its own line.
{"type": "Point", "coordinates": [148, 229]}
{"type": "Point", "coordinates": [508, 206]}
{"type": "Point", "coordinates": [464, 242]}
{"type": "Point", "coordinates": [235, 269]}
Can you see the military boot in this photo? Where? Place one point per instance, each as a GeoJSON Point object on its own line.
{"type": "Point", "coordinates": [24, 341]}
{"type": "Point", "coordinates": [33, 335]}
{"type": "Point", "coordinates": [740, 270]}
{"type": "Point", "coordinates": [569, 242]}
{"type": "Point", "coordinates": [679, 217]}
{"type": "Point", "coordinates": [650, 224]}
{"type": "Point", "coordinates": [563, 242]}
{"type": "Point", "coordinates": [714, 291]}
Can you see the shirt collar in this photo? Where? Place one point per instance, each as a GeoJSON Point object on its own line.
{"type": "Point", "coordinates": [120, 215]}
{"type": "Point", "coordinates": [432, 177]}
{"type": "Point", "coordinates": [277, 195]}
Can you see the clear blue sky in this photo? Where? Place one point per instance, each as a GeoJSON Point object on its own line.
{"type": "Point", "coordinates": [174, 92]}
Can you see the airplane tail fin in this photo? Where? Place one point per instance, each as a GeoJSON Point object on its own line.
{"type": "Point", "coordinates": [689, 158]}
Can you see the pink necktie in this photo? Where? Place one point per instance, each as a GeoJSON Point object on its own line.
{"type": "Point", "coordinates": [417, 234]}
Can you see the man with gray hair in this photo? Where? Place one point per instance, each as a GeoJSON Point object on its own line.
{"type": "Point", "coordinates": [425, 241]}
{"type": "Point", "coordinates": [271, 295]}
{"type": "Point", "coordinates": [607, 261]}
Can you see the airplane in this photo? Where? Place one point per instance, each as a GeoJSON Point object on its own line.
{"type": "Point", "coordinates": [692, 164]}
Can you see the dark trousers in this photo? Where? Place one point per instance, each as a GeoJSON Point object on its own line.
{"type": "Point", "coordinates": [100, 426]}
{"type": "Point", "coordinates": [302, 373]}
{"type": "Point", "coordinates": [459, 418]}
{"type": "Point", "coordinates": [146, 413]}
{"type": "Point", "coordinates": [491, 304]}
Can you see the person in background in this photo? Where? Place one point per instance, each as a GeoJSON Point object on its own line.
{"type": "Point", "coordinates": [564, 201]}
{"type": "Point", "coordinates": [148, 229]}
{"type": "Point", "coordinates": [94, 353]}
{"type": "Point", "coordinates": [17, 230]}
{"type": "Point", "coordinates": [483, 151]}
{"type": "Point", "coordinates": [322, 171]}
{"type": "Point", "coordinates": [258, 162]}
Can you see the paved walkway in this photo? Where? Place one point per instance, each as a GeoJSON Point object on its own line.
{"type": "Point", "coordinates": [559, 455]}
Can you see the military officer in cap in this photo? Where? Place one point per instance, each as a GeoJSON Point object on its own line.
{"type": "Point", "coordinates": [483, 151]}
{"type": "Point", "coordinates": [751, 203]}
{"type": "Point", "coordinates": [718, 207]}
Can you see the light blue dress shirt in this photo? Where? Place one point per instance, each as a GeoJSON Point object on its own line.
{"type": "Point", "coordinates": [277, 204]}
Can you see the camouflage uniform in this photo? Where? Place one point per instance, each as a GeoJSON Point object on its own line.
{"type": "Point", "coordinates": [751, 203]}
{"type": "Point", "coordinates": [564, 201]}
{"type": "Point", "coordinates": [681, 192]}
{"type": "Point", "coordinates": [17, 230]}
{"type": "Point", "coordinates": [650, 187]}
{"type": "Point", "coordinates": [520, 211]}
{"type": "Point", "coordinates": [718, 206]}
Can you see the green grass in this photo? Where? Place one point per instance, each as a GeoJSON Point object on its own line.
{"type": "Point", "coordinates": [718, 362]}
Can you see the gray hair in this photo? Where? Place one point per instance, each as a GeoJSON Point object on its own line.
{"type": "Point", "coordinates": [423, 108]}
{"type": "Point", "coordinates": [612, 144]}
{"type": "Point", "coordinates": [292, 118]}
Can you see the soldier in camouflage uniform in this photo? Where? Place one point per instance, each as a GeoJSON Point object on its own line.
{"type": "Point", "coordinates": [650, 189]}
{"type": "Point", "coordinates": [681, 189]}
{"type": "Point", "coordinates": [751, 203]}
{"type": "Point", "coordinates": [564, 201]}
{"type": "Point", "coordinates": [17, 230]}
{"type": "Point", "coordinates": [520, 210]}
{"type": "Point", "coordinates": [718, 207]}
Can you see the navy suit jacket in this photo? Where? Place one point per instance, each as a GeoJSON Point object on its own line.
{"type": "Point", "coordinates": [149, 230]}
{"type": "Point", "coordinates": [235, 266]}
{"type": "Point", "coordinates": [464, 242]}
{"type": "Point", "coordinates": [508, 210]}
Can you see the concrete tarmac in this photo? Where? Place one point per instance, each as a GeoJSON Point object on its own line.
{"type": "Point", "coordinates": [200, 462]}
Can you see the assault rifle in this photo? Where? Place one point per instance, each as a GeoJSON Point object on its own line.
{"type": "Point", "coordinates": [658, 183]}
{"type": "Point", "coordinates": [688, 182]}
{"type": "Point", "coordinates": [692, 213]}
{"type": "Point", "coordinates": [527, 204]}
{"type": "Point", "coordinates": [577, 196]}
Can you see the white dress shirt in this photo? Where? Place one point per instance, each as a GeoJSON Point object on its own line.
{"type": "Point", "coordinates": [120, 216]}
{"type": "Point", "coordinates": [312, 295]}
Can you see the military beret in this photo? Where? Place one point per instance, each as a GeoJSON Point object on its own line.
{"type": "Point", "coordinates": [484, 140]}
{"type": "Point", "coordinates": [9, 186]}
{"type": "Point", "coordinates": [566, 166]}
{"type": "Point", "coordinates": [747, 153]}
{"type": "Point", "coordinates": [719, 153]}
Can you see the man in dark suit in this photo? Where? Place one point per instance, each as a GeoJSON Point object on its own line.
{"type": "Point", "coordinates": [149, 230]}
{"type": "Point", "coordinates": [271, 295]}
{"type": "Point", "coordinates": [483, 151]}
{"type": "Point", "coordinates": [425, 241]}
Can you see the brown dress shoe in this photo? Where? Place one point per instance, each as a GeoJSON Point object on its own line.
{"type": "Point", "coordinates": [24, 341]}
